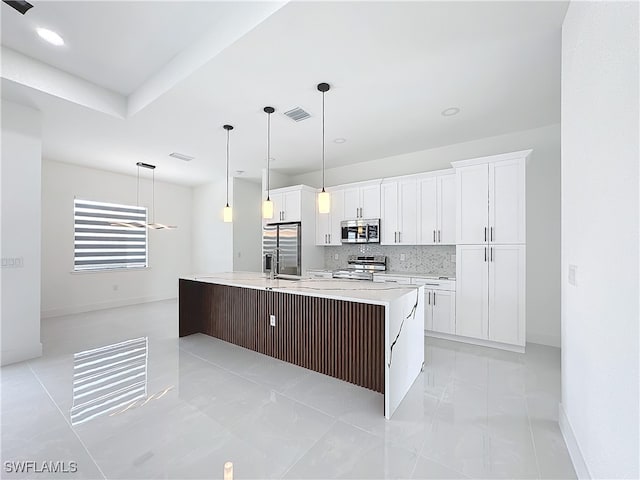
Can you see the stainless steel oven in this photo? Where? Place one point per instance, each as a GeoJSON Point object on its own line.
{"type": "Point", "coordinates": [360, 231]}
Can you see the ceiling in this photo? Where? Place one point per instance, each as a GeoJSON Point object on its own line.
{"type": "Point", "coordinates": [166, 76]}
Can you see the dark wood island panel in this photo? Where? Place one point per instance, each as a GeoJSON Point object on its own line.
{"type": "Point", "coordinates": [335, 337]}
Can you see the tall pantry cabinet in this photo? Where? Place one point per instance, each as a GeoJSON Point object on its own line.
{"type": "Point", "coordinates": [491, 249]}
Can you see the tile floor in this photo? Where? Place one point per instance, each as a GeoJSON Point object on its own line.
{"type": "Point", "coordinates": [473, 413]}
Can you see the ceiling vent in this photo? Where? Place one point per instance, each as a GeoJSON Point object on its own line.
{"type": "Point", "coordinates": [297, 114]}
{"type": "Point", "coordinates": [19, 5]}
{"type": "Point", "coordinates": [181, 156]}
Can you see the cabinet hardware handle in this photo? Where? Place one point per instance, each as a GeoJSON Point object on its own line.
{"type": "Point", "coordinates": [485, 234]}
{"type": "Point", "coordinates": [399, 237]}
{"type": "Point", "coordinates": [492, 254]}
{"type": "Point", "coordinates": [439, 239]}
{"type": "Point", "coordinates": [485, 254]}
{"type": "Point", "coordinates": [434, 236]}
{"type": "Point", "coordinates": [491, 234]}
{"type": "Point", "coordinates": [434, 299]}
{"type": "Point", "coordinates": [429, 301]}
{"type": "Point", "coordinates": [395, 237]}
{"type": "Point", "coordinates": [329, 238]}
{"type": "Point", "coordinates": [326, 238]}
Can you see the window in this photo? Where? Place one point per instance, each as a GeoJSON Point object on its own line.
{"type": "Point", "coordinates": [101, 245]}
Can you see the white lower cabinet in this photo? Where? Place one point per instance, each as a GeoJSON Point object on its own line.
{"type": "Point", "coordinates": [439, 305]}
{"type": "Point", "coordinates": [490, 293]}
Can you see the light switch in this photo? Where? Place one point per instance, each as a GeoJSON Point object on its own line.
{"type": "Point", "coordinates": [573, 271]}
{"type": "Point", "coordinates": [403, 257]}
{"type": "Point", "coordinates": [453, 258]}
{"type": "Point", "coordinates": [272, 320]}
{"type": "Point", "coordinates": [336, 256]}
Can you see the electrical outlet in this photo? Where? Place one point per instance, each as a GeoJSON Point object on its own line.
{"type": "Point", "coordinates": [573, 272]}
{"type": "Point", "coordinates": [403, 257]}
{"type": "Point", "coordinates": [453, 258]}
{"type": "Point", "coordinates": [272, 320]}
{"type": "Point", "coordinates": [336, 256]}
{"type": "Point", "coordinates": [11, 262]}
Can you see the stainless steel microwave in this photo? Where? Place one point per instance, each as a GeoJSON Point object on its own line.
{"type": "Point", "coordinates": [360, 231]}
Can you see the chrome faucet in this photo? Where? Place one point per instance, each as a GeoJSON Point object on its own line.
{"type": "Point", "coordinates": [275, 263]}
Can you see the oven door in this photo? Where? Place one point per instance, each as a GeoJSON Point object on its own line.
{"type": "Point", "coordinates": [354, 231]}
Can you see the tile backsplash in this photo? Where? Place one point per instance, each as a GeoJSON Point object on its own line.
{"type": "Point", "coordinates": [427, 259]}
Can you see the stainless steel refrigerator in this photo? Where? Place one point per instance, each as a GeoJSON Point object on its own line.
{"type": "Point", "coordinates": [281, 248]}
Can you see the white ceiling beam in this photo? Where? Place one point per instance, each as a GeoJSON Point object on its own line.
{"type": "Point", "coordinates": [39, 76]}
{"type": "Point", "coordinates": [237, 24]}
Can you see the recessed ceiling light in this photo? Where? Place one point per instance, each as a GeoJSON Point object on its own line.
{"type": "Point", "coordinates": [50, 36]}
{"type": "Point", "coordinates": [239, 172]}
{"type": "Point", "coordinates": [451, 111]}
{"type": "Point", "coordinates": [339, 140]}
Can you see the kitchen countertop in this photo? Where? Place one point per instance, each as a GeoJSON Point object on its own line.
{"type": "Point", "coordinates": [349, 290]}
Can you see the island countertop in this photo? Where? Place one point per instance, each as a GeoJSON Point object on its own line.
{"type": "Point", "coordinates": [361, 291]}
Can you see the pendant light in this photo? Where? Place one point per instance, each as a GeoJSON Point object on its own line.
{"type": "Point", "coordinates": [152, 225]}
{"type": "Point", "coordinates": [267, 205]}
{"type": "Point", "coordinates": [228, 213]}
{"type": "Point", "coordinates": [324, 199]}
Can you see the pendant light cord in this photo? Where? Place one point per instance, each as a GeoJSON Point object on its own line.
{"type": "Point", "coordinates": [153, 196]}
{"type": "Point", "coordinates": [323, 141]}
{"type": "Point", "coordinates": [138, 189]}
{"type": "Point", "coordinates": [268, 154]}
{"type": "Point", "coordinates": [227, 168]}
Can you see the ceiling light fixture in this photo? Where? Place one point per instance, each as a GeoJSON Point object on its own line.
{"type": "Point", "coordinates": [228, 213]}
{"type": "Point", "coordinates": [19, 5]}
{"type": "Point", "coordinates": [450, 112]}
{"type": "Point", "coordinates": [324, 200]}
{"type": "Point", "coordinates": [181, 156]}
{"type": "Point", "coordinates": [50, 36]}
{"type": "Point", "coordinates": [152, 225]}
{"type": "Point", "coordinates": [339, 140]}
{"type": "Point", "coordinates": [267, 205]}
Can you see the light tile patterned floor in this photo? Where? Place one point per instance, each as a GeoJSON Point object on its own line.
{"type": "Point", "coordinates": [473, 413]}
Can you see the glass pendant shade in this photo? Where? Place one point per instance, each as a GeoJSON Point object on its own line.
{"type": "Point", "coordinates": [267, 209]}
{"type": "Point", "coordinates": [324, 202]}
{"type": "Point", "coordinates": [228, 214]}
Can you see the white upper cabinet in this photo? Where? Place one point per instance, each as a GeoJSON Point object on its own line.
{"type": "Point", "coordinates": [437, 210]}
{"type": "Point", "coordinates": [472, 204]}
{"type": "Point", "coordinates": [328, 224]}
{"type": "Point", "coordinates": [399, 216]}
{"type": "Point", "coordinates": [491, 200]}
{"type": "Point", "coordinates": [286, 206]}
{"type": "Point", "coordinates": [362, 200]}
{"type": "Point", "coordinates": [507, 214]}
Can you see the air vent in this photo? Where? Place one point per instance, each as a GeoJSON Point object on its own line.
{"type": "Point", "coordinates": [19, 5]}
{"type": "Point", "coordinates": [181, 156]}
{"type": "Point", "coordinates": [297, 114]}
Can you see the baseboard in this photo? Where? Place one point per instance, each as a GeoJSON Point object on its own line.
{"type": "Point", "coordinates": [580, 466]}
{"type": "Point", "coordinates": [59, 312]}
{"type": "Point", "coordinates": [548, 340]}
{"type": "Point", "coordinates": [13, 355]}
{"type": "Point", "coordinates": [475, 341]}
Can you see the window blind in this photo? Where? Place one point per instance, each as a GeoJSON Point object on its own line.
{"type": "Point", "coordinates": [99, 244]}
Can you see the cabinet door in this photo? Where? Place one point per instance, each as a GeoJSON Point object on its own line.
{"type": "Point", "coordinates": [389, 214]}
{"type": "Point", "coordinates": [472, 296]}
{"type": "Point", "coordinates": [323, 227]}
{"type": "Point", "coordinates": [428, 208]}
{"type": "Point", "coordinates": [472, 204]}
{"type": "Point", "coordinates": [337, 216]}
{"type": "Point", "coordinates": [370, 201]}
{"type": "Point", "coordinates": [278, 206]}
{"type": "Point", "coordinates": [292, 206]}
{"type": "Point", "coordinates": [351, 203]}
{"type": "Point", "coordinates": [447, 209]}
{"type": "Point", "coordinates": [408, 212]}
{"type": "Point", "coordinates": [444, 311]}
{"type": "Point", "coordinates": [428, 310]}
{"type": "Point", "coordinates": [507, 202]}
{"type": "Point", "coordinates": [507, 278]}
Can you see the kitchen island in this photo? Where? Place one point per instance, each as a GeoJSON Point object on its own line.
{"type": "Point", "coordinates": [361, 332]}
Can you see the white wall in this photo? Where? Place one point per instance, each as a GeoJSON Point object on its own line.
{"type": "Point", "coordinates": [65, 292]}
{"type": "Point", "coordinates": [20, 167]}
{"type": "Point", "coordinates": [543, 208]}
{"type": "Point", "coordinates": [212, 240]}
{"type": "Point", "coordinates": [247, 226]}
{"type": "Point", "coordinates": [600, 155]}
